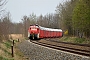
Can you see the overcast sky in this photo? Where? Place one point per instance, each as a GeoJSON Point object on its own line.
{"type": "Point", "coordinates": [19, 8]}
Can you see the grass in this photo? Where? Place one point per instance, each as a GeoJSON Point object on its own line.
{"type": "Point", "coordinates": [66, 38]}
{"type": "Point", "coordinates": [79, 40]}
{"type": "Point", "coordinates": [5, 51]}
{"type": "Point", "coordinates": [15, 40]}
{"type": "Point", "coordinates": [7, 44]}
{"type": "Point", "coordinates": [26, 38]}
{"type": "Point", "coordinates": [75, 40]}
{"type": "Point", "coordinates": [3, 58]}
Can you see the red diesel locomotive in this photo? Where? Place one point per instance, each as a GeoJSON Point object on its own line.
{"type": "Point", "coordinates": [38, 32]}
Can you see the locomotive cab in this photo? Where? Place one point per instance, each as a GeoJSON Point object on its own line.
{"type": "Point", "coordinates": [33, 32]}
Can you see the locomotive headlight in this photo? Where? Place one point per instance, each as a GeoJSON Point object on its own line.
{"type": "Point", "coordinates": [33, 36]}
{"type": "Point", "coordinates": [38, 35]}
{"type": "Point", "coordinates": [28, 34]}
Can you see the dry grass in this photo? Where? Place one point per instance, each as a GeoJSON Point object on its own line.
{"type": "Point", "coordinates": [5, 48]}
{"type": "Point", "coordinates": [15, 36]}
{"type": "Point", "coordinates": [5, 51]}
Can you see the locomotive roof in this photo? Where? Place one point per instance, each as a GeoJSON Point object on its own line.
{"type": "Point", "coordinates": [50, 29]}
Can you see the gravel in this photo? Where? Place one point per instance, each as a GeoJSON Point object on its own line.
{"type": "Point", "coordinates": [35, 52]}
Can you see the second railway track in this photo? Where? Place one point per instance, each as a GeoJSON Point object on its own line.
{"type": "Point", "coordinates": [73, 48]}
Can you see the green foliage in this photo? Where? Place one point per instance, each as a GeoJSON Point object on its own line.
{"type": "Point", "coordinates": [1, 57]}
{"type": "Point", "coordinates": [81, 16]}
{"type": "Point", "coordinates": [65, 13]}
{"type": "Point", "coordinates": [79, 40]}
{"type": "Point", "coordinates": [7, 44]}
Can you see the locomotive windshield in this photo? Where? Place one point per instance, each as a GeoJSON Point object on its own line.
{"type": "Point", "coordinates": [34, 27]}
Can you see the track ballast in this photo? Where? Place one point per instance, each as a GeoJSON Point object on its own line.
{"type": "Point", "coordinates": [80, 49]}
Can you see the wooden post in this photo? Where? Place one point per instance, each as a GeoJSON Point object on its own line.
{"type": "Point", "coordinates": [13, 42]}
{"type": "Point", "coordinates": [12, 51]}
{"type": "Point", "coordinates": [18, 40]}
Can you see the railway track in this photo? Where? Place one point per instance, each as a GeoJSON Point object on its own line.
{"type": "Point", "coordinates": [53, 40]}
{"type": "Point", "coordinates": [80, 49]}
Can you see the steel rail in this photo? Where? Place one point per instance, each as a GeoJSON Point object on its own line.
{"type": "Point", "coordinates": [86, 45]}
{"type": "Point", "coordinates": [68, 49]}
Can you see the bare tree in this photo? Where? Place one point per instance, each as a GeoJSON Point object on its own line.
{"type": "Point", "coordinates": [65, 12]}
{"type": "Point", "coordinates": [2, 4]}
